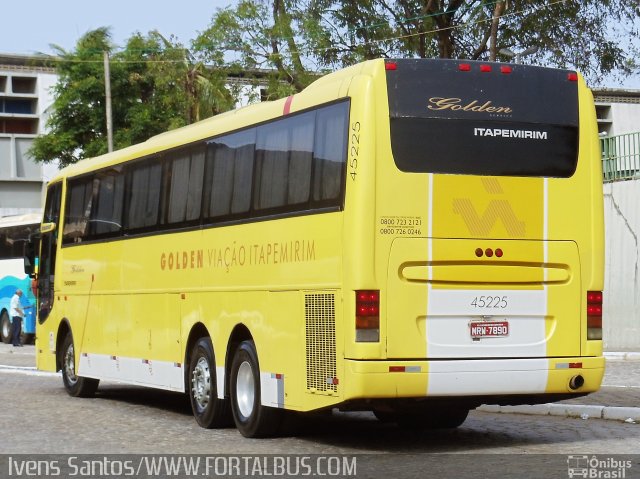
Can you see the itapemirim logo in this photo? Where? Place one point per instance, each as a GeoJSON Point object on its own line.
{"type": "Point", "coordinates": [594, 467]}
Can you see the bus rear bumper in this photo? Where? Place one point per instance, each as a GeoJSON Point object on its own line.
{"type": "Point", "coordinates": [478, 377]}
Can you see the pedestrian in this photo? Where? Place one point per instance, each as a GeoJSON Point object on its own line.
{"type": "Point", "coordinates": [16, 313]}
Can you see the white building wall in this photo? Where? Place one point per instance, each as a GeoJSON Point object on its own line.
{"type": "Point", "coordinates": [621, 309]}
{"type": "Point", "coordinates": [626, 118]}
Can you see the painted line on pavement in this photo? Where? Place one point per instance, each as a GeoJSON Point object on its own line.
{"type": "Point", "coordinates": [26, 370]}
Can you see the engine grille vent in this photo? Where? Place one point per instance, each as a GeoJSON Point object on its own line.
{"type": "Point", "coordinates": [320, 317]}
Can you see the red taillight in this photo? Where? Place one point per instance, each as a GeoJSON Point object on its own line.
{"type": "Point", "coordinates": [499, 253]}
{"type": "Point", "coordinates": [391, 66]}
{"type": "Point", "coordinates": [485, 68]}
{"type": "Point", "coordinates": [505, 69]}
{"type": "Point", "coordinates": [464, 67]}
{"type": "Point", "coordinates": [488, 252]}
{"type": "Point", "coordinates": [572, 76]}
{"type": "Point", "coordinates": [594, 314]}
{"type": "Point", "coordinates": [367, 316]}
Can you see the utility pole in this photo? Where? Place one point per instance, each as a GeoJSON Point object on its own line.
{"type": "Point", "coordinates": [107, 90]}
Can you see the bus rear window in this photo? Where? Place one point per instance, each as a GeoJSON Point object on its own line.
{"type": "Point", "coordinates": [444, 120]}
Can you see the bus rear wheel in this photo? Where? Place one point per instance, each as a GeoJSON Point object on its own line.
{"type": "Point", "coordinates": [208, 410]}
{"type": "Point", "coordinates": [251, 417]}
{"type": "Point", "coordinates": [5, 328]}
{"type": "Point", "coordinates": [75, 385]}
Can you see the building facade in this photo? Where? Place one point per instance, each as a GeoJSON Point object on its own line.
{"type": "Point", "coordinates": [25, 101]}
{"type": "Point", "coordinates": [618, 111]}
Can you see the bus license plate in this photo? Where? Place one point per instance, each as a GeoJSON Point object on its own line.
{"type": "Point", "coordinates": [489, 329]}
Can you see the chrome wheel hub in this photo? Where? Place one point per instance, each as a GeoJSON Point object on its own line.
{"type": "Point", "coordinates": [70, 365]}
{"type": "Point", "coordinates": [201, 383]}
{"type": "Point", "coordinates": [245, 388]}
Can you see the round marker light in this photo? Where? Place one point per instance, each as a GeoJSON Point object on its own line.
{"type": "Point", "coordinates": [499, 253]}
{"type": "Point", "coordinates": [479, 252]}
{"type": "Point", "coordinates": [489, 252]}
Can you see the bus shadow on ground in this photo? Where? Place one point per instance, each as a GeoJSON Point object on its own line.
{"type": "Point", "coordinates": [362, 432]}
{"type": "Point", "coordinates": [137, 395]}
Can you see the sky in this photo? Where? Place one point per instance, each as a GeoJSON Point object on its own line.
{"type": "Point", "coordinates": [31, 26]}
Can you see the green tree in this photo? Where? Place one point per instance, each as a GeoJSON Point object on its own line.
{"type": "Point", "coordinates": [156, 85]}
{"type": "Point", "coordinates": [594, 36]}
{"type": "Point", "coordinates": [293, 39]}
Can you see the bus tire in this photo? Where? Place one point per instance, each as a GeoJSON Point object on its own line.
{"type": "Point", "coordinates": [76, 386]}
{"type": "Point", "coordinates": [208, 410]}
{"type": "Point", "coordinates": [5, 328]}
{"type": "Point", "coordinates": [251, 417]}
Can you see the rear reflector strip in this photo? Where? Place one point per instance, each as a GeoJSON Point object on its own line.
{"type": "Point", "coordinates": [405, 369]}
{"type": "Point", "coordinates": [568, 365]}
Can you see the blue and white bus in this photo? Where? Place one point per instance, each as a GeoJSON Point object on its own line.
{"type": "Point", "coordinates": [14, 234]}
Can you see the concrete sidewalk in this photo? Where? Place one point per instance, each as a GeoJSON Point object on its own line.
{"type": "Point", "coordinates": [618, 399]}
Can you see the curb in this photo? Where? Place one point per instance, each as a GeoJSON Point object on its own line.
{"type": "Point", "coordinates": [622, 356]}
{"type": "Point", "coordinates": [627, 414]}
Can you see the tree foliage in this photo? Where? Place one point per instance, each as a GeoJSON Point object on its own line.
{"type": "Point", "coordinates": [156, 85]}
{"type": "Point", "coordinates": [297, 38]}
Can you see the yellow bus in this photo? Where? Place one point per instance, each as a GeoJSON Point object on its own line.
{"type": "Point", "coordinates": [409, 237]}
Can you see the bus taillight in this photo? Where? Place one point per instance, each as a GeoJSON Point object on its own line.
{"type": "Point", "coordinates": [367, 316]}
{"type": "Point", "coordinates": [594, 314]}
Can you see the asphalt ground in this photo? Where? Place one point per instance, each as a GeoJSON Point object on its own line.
{"type": "Point", "coordinates": [618, 398]}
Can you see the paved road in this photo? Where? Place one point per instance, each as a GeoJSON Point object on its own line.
{"type": "Point", "coordinates": [126, 419]}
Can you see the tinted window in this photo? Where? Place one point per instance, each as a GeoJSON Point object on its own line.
{"type": "Point", "coordinates": [185, 188]}
{"type": "Point", "coordinates": [443, 120]}
{"type": "Point", "coordinates": [14, 239]}
{"type": "Point", "coordinates": [144, 200]}
{"type": "Point", "coordinates": [106, 217]}
{"type": "Point", "coordinates": [284, 156]}
{"type": "Point", "coordinates": [295, 163]}
{"type": "Point", "coordinates": [230, 161]}
{"type": "Point", "coordinates": [330, 151]}
{"type": "Point", "coordinates": [78, 210]}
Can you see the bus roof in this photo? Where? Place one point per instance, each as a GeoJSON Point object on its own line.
{"type": "Point", "coordinates": [213, 126]}
{"type": "Point", "coordinates": [18, 220]}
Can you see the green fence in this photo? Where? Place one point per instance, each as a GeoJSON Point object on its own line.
{"type": "Point", "coordinates": [621, 157]}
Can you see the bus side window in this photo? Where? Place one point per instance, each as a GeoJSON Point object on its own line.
{"type": "Point", "coordinates": [330, 152]}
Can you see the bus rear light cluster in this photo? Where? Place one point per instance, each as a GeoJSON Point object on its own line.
{"type": "Point", "coordinates": [367, 316]}
{"type": "Point", "coordinates": [489, 252]}
{"type": "Point", "coordinates": [466, 67]}
{"type": "Point", "coordinates": [594, 314]}
{"type": "Point", "coordinates": [572, 76]}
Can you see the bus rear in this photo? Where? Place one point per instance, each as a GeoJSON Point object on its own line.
{"type": "Point", "coordinates": [489, 235]}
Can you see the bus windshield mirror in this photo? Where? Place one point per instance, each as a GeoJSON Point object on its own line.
{"type": "Point", "coordinates": [47, 228]}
